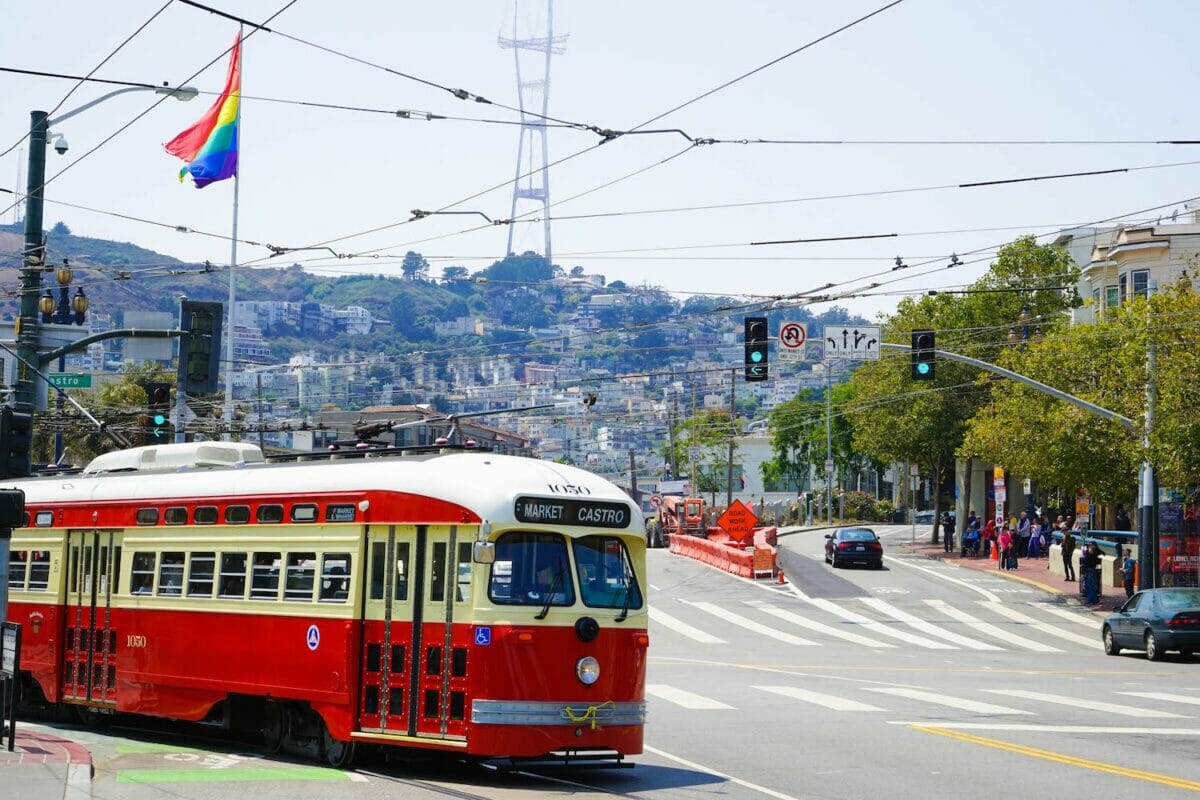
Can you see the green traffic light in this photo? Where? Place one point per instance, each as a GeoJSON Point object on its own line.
{"type": "Point", "coordinates": [923, 368]}
{"type": "Point", "coordinates": [756, 357]}
{"type": "Point", "coordinates": [159, 419]}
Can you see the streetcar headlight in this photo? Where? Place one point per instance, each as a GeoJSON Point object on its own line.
{"type": "Point", "coordinates": [587, 669]}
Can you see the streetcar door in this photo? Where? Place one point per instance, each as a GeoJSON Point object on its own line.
{"type": "Point", "coordinates": [90, 640]}
{"type": "Point", "coordinates": [439, 685]}
{"type": "Point", "coordinates": [387, 629]}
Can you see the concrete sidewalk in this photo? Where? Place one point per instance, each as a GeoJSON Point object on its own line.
{"type": "Point", "coordinates": [1034, 571]}
{"type": "Point", "coordinates": [44, 767]}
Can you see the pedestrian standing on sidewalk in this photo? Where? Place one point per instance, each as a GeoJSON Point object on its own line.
{"type": "Point", "coordinates": [1005, 543]}
{"type": "Point", "coordinates": [989, 538]}
{"type": "Point", "coordinates": [1035, 539]}
{"type": "Point", "coordinates": [1021, 536]}
{"type": "Point", "coordinates": [1128, 570]}
{"type": "Point", "coordinates": [1068, 553]}
{"type": "Point", "coordinates": [947, 532]}
{"type": "Point", "coordinates": [1088, 566]}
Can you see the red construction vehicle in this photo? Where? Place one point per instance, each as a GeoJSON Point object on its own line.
{"type": "Point", "coordinates": [682, 515]}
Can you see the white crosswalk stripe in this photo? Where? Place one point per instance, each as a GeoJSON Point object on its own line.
{"type": "Point", "coordinates": [1164, 696]}
{"type": "Point", "coordinates": [682, 697]}
{"type": "Point", "coordinates": [878, 627]}
{"type": "Point", "coordinates": [817, 698]}
{"type": "Point", "coordinates": [1085, 619]}
{"type": "Point", "coordinates": [988, 629]}
{"type": "Point", "coordinates": [1039, 625]}
{"type": "Point", "coordinates": [679, 626]}
{"type": "Point", "coordinates": [1093, 705]}
{"type": "Point", "coordinates": [937, 698]}
{"type": "Point", "coordinates": [819, 627]}
{"type": "Point", "coordinates": [926, 627]}
{"type": "Point", "coordinates": [749, 624]}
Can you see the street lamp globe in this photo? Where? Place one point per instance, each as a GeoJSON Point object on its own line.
{"type": "Point", "coordinates": [46, 305]}
{"type": "Point", "coordinates": [64, 275]}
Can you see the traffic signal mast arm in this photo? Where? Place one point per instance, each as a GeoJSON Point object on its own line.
{"type": "Point", "coordinates": [1030, 382]}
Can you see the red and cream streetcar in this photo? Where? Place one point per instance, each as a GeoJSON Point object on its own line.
{"type": "Point", "coordinates": [442, 598]}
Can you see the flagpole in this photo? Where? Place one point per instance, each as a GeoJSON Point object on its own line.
{"type": "Point", "coordinates": [229, 365]}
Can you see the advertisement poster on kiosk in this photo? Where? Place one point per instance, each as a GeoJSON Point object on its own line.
{"type": "Point", "coordinates": [1179, 536]}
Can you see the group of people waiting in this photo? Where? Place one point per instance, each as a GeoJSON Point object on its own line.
{"type": "Point", "coordinates": [1031, 536]}
{"type": "Point", "coordinates": [1026, 536]}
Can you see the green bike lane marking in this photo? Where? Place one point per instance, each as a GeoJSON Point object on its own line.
{"type": "Point", "coordinates": [200, 765]}
{"type": "Point", "coordinates": [231, 774]}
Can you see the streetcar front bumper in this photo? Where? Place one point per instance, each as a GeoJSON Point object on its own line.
{"type": "Point", "coordinates": [541, 713]}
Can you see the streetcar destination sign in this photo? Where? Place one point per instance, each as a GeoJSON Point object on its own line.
{"type": "Point", "coordinates": [556, 510]}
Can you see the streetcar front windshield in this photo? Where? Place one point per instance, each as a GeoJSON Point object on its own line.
{"type": "Point", "coordinates": [531, 569]}
{"type": "Point", "coordinates": [606, 577]}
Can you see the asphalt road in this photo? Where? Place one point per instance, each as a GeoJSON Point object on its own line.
{"type": "Point", "coordinates": [920, 680]}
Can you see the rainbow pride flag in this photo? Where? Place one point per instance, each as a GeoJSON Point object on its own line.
{"type": "Point", "coordinates": [210, 146]}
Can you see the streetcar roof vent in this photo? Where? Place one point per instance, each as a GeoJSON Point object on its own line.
{"type": "Point", "coordinates": [176, 457]}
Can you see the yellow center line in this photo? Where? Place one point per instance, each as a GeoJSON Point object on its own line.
{"type": "Point", "coordinates": [1060, 758]}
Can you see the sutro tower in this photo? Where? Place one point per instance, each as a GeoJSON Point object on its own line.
{"type": "Point", "coordinates": [533, 93]}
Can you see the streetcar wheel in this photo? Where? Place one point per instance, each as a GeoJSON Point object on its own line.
{"type": "Point", "coordinates": [1110, 643]}
{"type": "Point", "coordinates": [337, 753]}
{"type": "Point", "coordinates": [92, 718]}
{"type": "Point", "coordinates": [1153, 653]}
{"type": "Point", "coordinates": [274, 727]}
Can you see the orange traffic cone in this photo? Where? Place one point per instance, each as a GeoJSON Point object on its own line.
{"type": "Point", "coordinates": [782, 580]}
{"type": "Point", "coordinates": [995, 551]}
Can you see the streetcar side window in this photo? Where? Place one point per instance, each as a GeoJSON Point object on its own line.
{"type": "Point", "coordinates": [205, 515]}
{"type": "Point", "coordinates": [233, 575]}
{"type": "Point", "coordinates": [237, 515]}
{"type": "Point", "coordinates": [147, 516]}
{"type": "Point", "coordinates": [269, 513]}
{"type": "Point", "coordinates": [170, 574]}
{"type": "Point", "coordinates": [39, 570]}
{"type": "Point", "coordinates": [18, 561]}
{"type": "Point", "coordinates": [606, 577]}
{"type": "Point", "coordinates": [400, 579]}
{"type": "Point", "coordinates": [141, 577]}
{"type": "Point", "coordinates": [304, 512]}
{"type": "Point", "coordinates": [463, 588]}
{"type": "Point", "coordinates": [264, 577]}
{"type": "Point", "coordinates": [437, 573]}
{"type": "Point", "coordinates": [378, 569]}
{"type": "Point", "coordinates": [531, 568]}
{"type": "Point", "coordinates": [299, 584]}
{"type": "Point", "coordinates": [175, 515]}
{"type": "Point", "coordinates": [335, 577]}
{"type": "Point", "coordinates": [200, 574]}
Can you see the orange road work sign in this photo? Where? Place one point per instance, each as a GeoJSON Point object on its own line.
{"type": "Point", "coordinates": [738, 521]}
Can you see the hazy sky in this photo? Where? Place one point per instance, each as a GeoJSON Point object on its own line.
{"type": "Point", "coordinates": [925, 69]}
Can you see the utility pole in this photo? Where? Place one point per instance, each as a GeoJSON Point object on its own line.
{"type": "Point", "coordinates": [633, 490]}
{"type": "Point", "coordinates": [1148, 566]}
{"type": "Point", "coordinates": [33, 257]}
{"type": "Point", "coordinates": [671, 428]}
{"type": "Point", "coordinates": [828, 443]}
{"type": "Point", "coordinates": [258, 381]}
{"type": "Point", "coordinates": [732, 418]}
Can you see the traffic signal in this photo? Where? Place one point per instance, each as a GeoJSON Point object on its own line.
{"type": "Point", "coordinates": [16, 442]}
{"type": "Point", "coordinates": [200, 349]}
{"type": "Point", "coordinates": [924, 356]}
{"type": "Point", "coordinates": [756, 348]}
{"type": "Point", "coordinates": [158, 422]}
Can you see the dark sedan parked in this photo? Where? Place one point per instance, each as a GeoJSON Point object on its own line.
{"type": "Point", "coordinates": [854, 546]}
{"type": "Point", "coordinates": [1155, 620]}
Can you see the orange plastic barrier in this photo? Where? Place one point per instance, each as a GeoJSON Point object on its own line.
{"type": "Point", "coordinates": [747, 562]}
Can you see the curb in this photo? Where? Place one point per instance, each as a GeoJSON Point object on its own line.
{"type": "Point", "coordinates": [1068, 597]}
